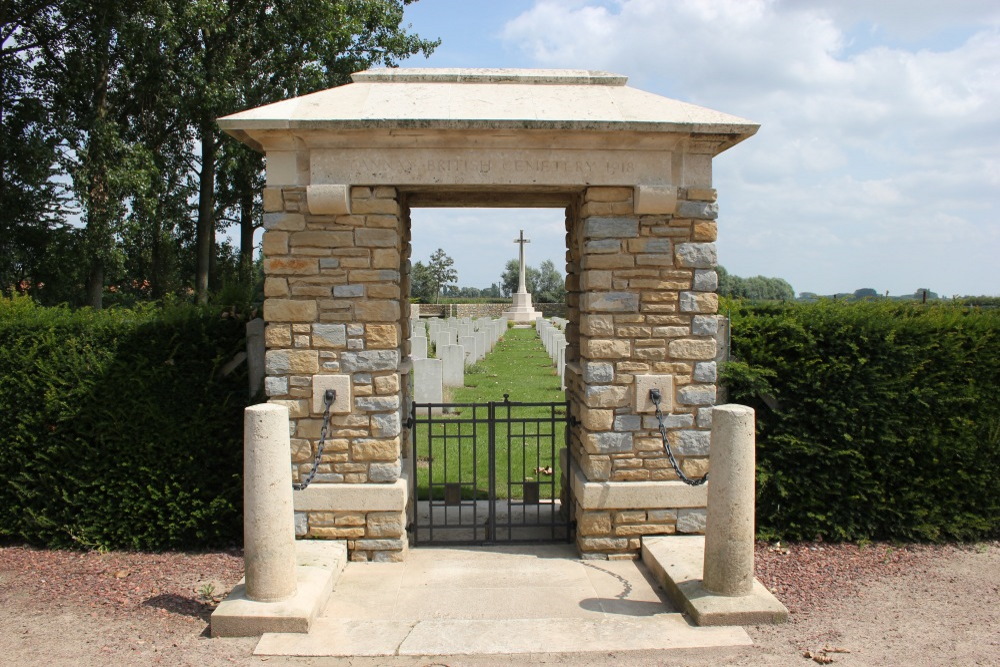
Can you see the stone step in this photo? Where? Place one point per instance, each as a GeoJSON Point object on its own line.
{"type": "Point", "coordinates": [439, 637]}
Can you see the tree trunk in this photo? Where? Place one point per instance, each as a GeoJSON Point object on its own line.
{"type": "Point", "coordinates": [246, 236]}
{"type": "Point", "coordinates": [206, 212]}
{"type": "Point", "coordinates": [95, 285]}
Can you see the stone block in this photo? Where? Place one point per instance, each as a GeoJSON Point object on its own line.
{"type": "Point", "coordinates": [348, 291]}
{"type": "Point", "coordinates": [614, 302]}
{"type": "Point", "coordinates": [376, 238]}
{"type": "Point", "coordinates": [594, 523]}
{"type": "Point", "coordinates": [382, 336]}
{"type": "Point", "coordinates": [691, 520]}
{"type": "Point", "coordinates": [608, 194]}
{"type": "Point", "coordinates": [690, 443]}
{"type": "Point", "coordinates": [369, 360]}
{"type": "Point", "coordinates": [275, 287]}
{"type": "Point", "coordinates": [625, 423]}
{"type": "Point", "coordinates": [705, 371]}
{"type": "Point", "coordinates": [274, 242]}
{"type": "Point", "coordinates": [697, 255]}
{"type": "Point", "coordinates": [704, 231]}
{"type": "Point", "coordinates": [284, 362]}
{"type": "Point", "coordinates": [385, 473]}
{"type": "Point", "coordinates": [598, 372]}
{"type": "Point", "coordinates": [328, 199]}
{"type": "Point", "coordinates": [385, 524]}
{"type": "Point", "coordinates": [601, 348]}
{"type": "Point", "coordinates": [596, 280]}
{"type": "Point", "coordinates": [273, 200]}
{"type": "Point", "coordinates": [699, 302]}
{"type": "Point", "coordinates": [597, 420]}
{"type": "Point", "coordinates": [697, 394]}
{"type": "Point", "coordinates": [692, 348]}
{"type": "Point", "coordinates": [597, 325]}
{"type": "Point", "coordinates": [607, 442]}
{"type": "Point", "coordinates": [704, 325]}
{"type": "Point", "coordinates": [698, 210]}
{"type": "Point", "coordinates": [610, 228]}
{"type": "Point", "coordinates": [375, 450]}
{"type": "Point", "coordinates": [329, 335]}
{"type": "Point", "coordinates": [322, 239]}
{"type": "Point", "coordinates": [291, 266]}
{"type": "Point", "coordinates": [655, 199]}
{"type": "Point", "coordinates": [377, 403]}
{"type": "Point", "coordinates": [288, 222]}
{"type": "Point", "coordinates": [705, 280]}
{"type": "Point", "coordinates": [278, 335]}
{"type": "Point", "coordinates": [606, 396]}
{"type": "Point", "coordinates": [602, 246]}
{"type": "Point", "coordinates": [275, 386]}
{"type": "Point", "coordinates": [385, 425]}
{"type": "Point", "coordinates": [376, 311]}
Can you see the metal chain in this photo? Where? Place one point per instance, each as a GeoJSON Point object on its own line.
{"type": "Point", "coordinates": [654, 396]}
{"type": "Point", "coordinates": [328, 398]}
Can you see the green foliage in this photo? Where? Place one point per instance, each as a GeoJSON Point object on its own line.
{"type": "Point", "coordinates": [545, 284]}
{"type": "Point", "coordinates": [757, 288]}
{"type": "Point", "coordinates": [874, 420]}
{"type": "Point", "coordinates": [117, 428]}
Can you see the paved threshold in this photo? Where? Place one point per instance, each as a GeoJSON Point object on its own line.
{"type": "Point", "coordinates": [499, 600]}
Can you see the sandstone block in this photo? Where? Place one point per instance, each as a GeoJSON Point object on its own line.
{"type": "Point", "coordinates": [287, 310]}
{"type": "Point", "coordinates": [606, 396]}
{"type": "Point", "coordinates": [278, 335]}
{"type": "Point", "coordinates": [600, 348]}
{"type": "Point", "coordinates": [365, 237]}
{"type": "Point", "coordinates": [597, 420]}
{"type": "Point", "coordinates": [275, 287]}
{"type": "Point", "coordinates": [594, 523]}
{"type": "Point", "coordinates": [322, 239]}
{"type": "Point", "coordinates": [385, 259]}
{"type": "Point", "coordinates": [608, 194]}
{"type": "Point", "coordinates": [288, 222]}
{"type": "Point", "coordinates": [291, 266]}
{"type": "Point", "coordinates": [375, 450]}
{"type": "Point", "coordinates": [284, 362]}
{"type": "Point", "coordinates": [702, 194]}
{"type": "Point", "coordinates": [704, 231]}
{"type": "Point", "coordinates": [618, 261]}
{"type": "Point", "coordinates": [376, 311]}
{"type": "Point", "coordinates": [385, 524]}
{"type": "Point", "coordinates": [329, 335]}
{"type": "Point", "coordinates": [597, 325]}
{"type": "Point", "coordinates": [274, 243]}
{"type": "Point", "coordinates": [596, 468]}
{"type": "Point", "coordinates": [382, 336]}
{"type": "Point", "coordinates": [387, 384]}
{"type": "Point", "coordinates": [273, 200]}
{"type": "Point", "coordinates": [692, 348]}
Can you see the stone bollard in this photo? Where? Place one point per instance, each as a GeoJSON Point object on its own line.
{"type": "Point", "coordinates": [268, 515]}
{"type": "Point", "coordinates": [729, 527]}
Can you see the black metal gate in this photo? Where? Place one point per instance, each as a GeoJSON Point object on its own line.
{"type": "Point", "coordinates": [489, 472]}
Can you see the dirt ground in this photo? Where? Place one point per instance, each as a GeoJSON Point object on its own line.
{"type": "Point", "coordinates": [851, 605]}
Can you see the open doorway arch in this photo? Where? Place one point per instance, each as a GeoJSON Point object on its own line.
{"type": "Point", "coordinates": [632, 171]}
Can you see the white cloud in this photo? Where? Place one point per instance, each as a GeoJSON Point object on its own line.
{"type": "Point", "coordinates": [877, 156]}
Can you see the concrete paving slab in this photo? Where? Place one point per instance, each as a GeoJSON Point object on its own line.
{"type": "Point", "coordinates": [496, 600]}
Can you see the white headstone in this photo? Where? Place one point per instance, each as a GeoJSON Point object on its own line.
{"type": "Point", "coordinates": [453, 371]}
{"type": "Point", "coordinates": [469, 344]}
{"type": "Point", "coordinates": [427, 381]}
{"type": "Point", "coordinates": [418, 347]}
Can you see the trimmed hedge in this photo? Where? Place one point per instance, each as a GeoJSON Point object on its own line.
{"type": "Point", "coordinates": [117, 429]}
{"type": "Point", "coordinates": [874, 420]}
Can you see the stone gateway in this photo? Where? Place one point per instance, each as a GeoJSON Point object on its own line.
{"type": "Point", "coordinates": [633, 173]}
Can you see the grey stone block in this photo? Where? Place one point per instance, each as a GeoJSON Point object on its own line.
{"type": "Point", "coordinates": [276, 386]}
{"type": "Point", "coordinates": [705, 280]}
{"type": "Point", "coordinates": [301, 524]}
{"type": "Point", "coordinates": [376, 403]}
{"type": "Point", "coordinates": [697, 255]}
{"type": "Point", "coordinates": [705, 325]}
{"type": "Point", "coordinates": [384, 472]}
{"type": "Point", "coordinates": [611, 228]}
{"type": "Point", "coordinates": [705, 417]}
{"type": "Point", "coordinates": [697, 394]}
{"type": "Point", "coordinates": [369, 360]}
{"type": "Point", "coordinates": [705, 371]}
{"type": "Point", "coordinates": [615, 302]}
{"type": "Point", "coordinates": [692, 443]}
{"type": "Point", "coordinates": [330, 334]}
{"type": "Point", "coordinates": [348, 291]}
{"type": "Point", "coordinates": [602, 246]}
{"type": "Point", "coordinates": [669, 421]}
{"type": "Point", "coordinates": [698, 209]}
{"type": "Point", "coordinates": [691, 520]}
{"type": "Point", "coordinates": [625, 423]}
{"type": "Point", "coordinates": [609, 443]}
{"type": "Point", "coordinates": [386, 425]}
{"type": "Point", "coordinates": [597, 372]}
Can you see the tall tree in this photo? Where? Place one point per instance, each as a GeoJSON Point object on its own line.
{"type": "Point", "coordinates": [252, 52]}
{"type": "Point", "coordinates": [441, 272]}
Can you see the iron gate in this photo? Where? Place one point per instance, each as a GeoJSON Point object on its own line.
{"type": "Point", "coordinates": [488, 472]}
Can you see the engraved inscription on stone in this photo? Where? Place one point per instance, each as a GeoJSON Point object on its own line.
{"type": "Point", "coordinates": [518, 167]}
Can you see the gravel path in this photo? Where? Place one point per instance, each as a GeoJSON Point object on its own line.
{"type": "Point", "coordinates": [850, 605]}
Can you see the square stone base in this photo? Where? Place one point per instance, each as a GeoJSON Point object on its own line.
{"type": "Point", "coordinates": [677, 563]}
{"type": "Point", "coordinates": [318, 566]}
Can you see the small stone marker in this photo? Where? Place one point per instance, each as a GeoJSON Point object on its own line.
{"type": "Point", "coordinates": [427, 381]}
{"type": "Point", "coordinates": [453, 370]}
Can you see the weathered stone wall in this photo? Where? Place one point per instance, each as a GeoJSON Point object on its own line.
{"type": "Point", "coordinates": [332, 302]}
{"type": "Point", "coordinates": [642, 290]}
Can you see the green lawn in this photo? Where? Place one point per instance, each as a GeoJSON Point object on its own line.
{"type": "Point", "coordinates": [520, 368]}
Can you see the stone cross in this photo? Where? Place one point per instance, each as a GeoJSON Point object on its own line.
{"type": "Point", "coordinates": [521, 289]}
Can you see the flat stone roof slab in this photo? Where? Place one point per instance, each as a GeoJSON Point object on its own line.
{"type": "Point", "coordinates": [466, 99]}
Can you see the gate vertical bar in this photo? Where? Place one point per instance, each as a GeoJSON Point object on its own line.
{"type": "Point", "coordinates": [491, 519]}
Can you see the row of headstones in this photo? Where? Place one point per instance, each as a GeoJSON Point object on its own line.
{"type": "Point", "coordinates": [457, 342]}
{"type": "Point", "coordinates": [554, 339]}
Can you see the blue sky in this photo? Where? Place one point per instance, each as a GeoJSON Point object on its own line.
{"type": "Point", "coordinates": [878, 159]}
